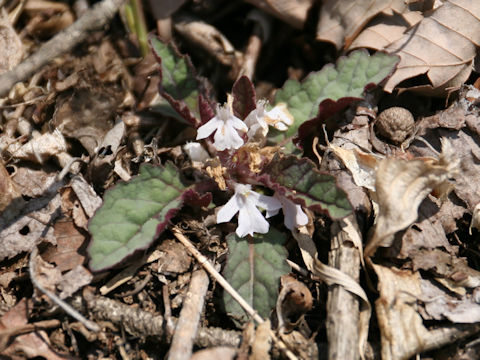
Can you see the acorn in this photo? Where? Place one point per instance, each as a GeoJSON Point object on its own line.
{"type": "Point", "coordinates": [395, 124]}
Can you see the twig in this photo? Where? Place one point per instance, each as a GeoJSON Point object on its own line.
{"type": "Point", "coordinates": [7, 334]}
{"type": "Point", "coordinates": [142, 323]}
{"type": "Point", "coordinates": [61, 43]}
{"type": "Point", "coordinates": [187, 324]}
{"type": "Point", "coordinates": [32, 268]}
{"type": "Point", "coordinates": [167, 312]}
{"type": "Point", "coordinates": [216, 275]}
{"type": "Point", "coordinates": [227, 287]}
{"type": "Point", "coordinates": [343, 329]}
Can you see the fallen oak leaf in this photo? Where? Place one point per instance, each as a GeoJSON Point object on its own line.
{"type": "Point", "coordinates": [402, 185]}
{"type": "Point", "coordinates": [342, 20]}
{"type": "Point", "coordinates": [442, 46]}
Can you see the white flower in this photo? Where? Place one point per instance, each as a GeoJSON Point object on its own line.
{"type": "Point", "coordinates": [293, 213]}
{"type": "Point", "coordinates": [245, 202]}
{"type": "Point", "coordinates": [259, 119]}
{"type": "Point", "coordinates": [196, 152]}
{"type": "Point", "coordinates": [225, 125]}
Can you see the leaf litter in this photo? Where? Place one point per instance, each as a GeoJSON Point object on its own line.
{"type": "Point", "coordinates": [84, 122]}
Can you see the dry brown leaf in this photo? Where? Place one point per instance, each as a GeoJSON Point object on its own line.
{"type": "Point", "coordinates": [439, 305]}
{"type": "Point", "coordinates": [69, 240]}
{"type": "Point", "coordinates": [34, 344]}
{"type": "Point", "coordinates": [103, 163]}
{"type": "Point", "coordinates": [442, 46]}
{"type": "Point", "coordinates": [294, 13]}
{"type": "Point", "coordinates": [400, 188]}
{"type": "Point", "coordinates": [426, 233]}
{"type": "Point", "coordinates": [33, 181]}
{"type": "Point", "coordinates": [10, 43]}
{"type": "Point", "coordinates": [86, 116]}
{"type": "Point", "coordinates": [450, 267]}
{"type": "Point", "coordinates": [8, 190]}
{"type": "Point", "coordinates": [74, 280]}
{"type": "Point", "coordinates": [475, 223]}
{"type": "Point", "coordinates": [401, 326]}
{"type": "Point", "coordinates": [47, 17]}
{"type": "Point", "coordinates": [86, 195]}
{"type": "Point", "coordinates": [304, 348]}
{"type": "Point", "coordinates": [467, 150]}
{"type": "Point", "coordinates": [293, 301]}
{"type": "Point", "coordinates": [362, 165]}
{"type": "Point", "coordinates": [42, 147]}
{"type": "Point", "coordinates": [342, 20]}
{"type": "Point", "coordinates": [385, 29]}
{"type": "Point", "coordinates": [21, 229]}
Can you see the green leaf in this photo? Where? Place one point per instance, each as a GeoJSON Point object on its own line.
{"type": "Point", "coordinates": [179, 84]}
{"type": "Point", "coordinates": [348, 79]}
{"type": "Point", "coordinates": [254, 268]}
{"type": "Point", "coordinates": [302, 182]}
{"type": "Point", "coordinates": [134, 213]}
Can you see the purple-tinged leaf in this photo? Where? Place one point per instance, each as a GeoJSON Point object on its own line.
{"type": "Point", "coordinates": [327, 108]}
{"type": "Point", "coordinates": [178, 80]}
{"type": "Point", "coordinates": [206, 110]}
{"type": "Point", "coordinates": [244, 98]}
{"type": "Point", "coordinates": [349, 78]}
{"type": "Point", "coordinates": [194, 199]}
{"type": "Point", "coordinates": [133, 214]}
{"type": "Point", "coordinates": [303, 183]}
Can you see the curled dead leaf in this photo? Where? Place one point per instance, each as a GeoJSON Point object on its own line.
{"type": "Point", "coordinates": [294, 300]}
{"type": "Point", "coordinates": [402, 185]}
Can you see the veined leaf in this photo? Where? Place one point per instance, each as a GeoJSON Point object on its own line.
{"type": "Point", "coordinates": [347, 79]}
{"type": "Point", "coordinates": [179, 84]}
{"type": "Point", "coordinates": [254, 268]}
{"type": "Point", "coordinates": [133, 214]}
{"type": "Point", "coordinates": [302, 182]}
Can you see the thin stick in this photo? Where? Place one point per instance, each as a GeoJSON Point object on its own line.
{"type": "Point", "coordinates": [61, 43]}
{"type": "Point", "coordinates": [188, 321]}
{"type": "Point", "coordinates": [32, 268]}
{"type": "Point", "coordinates": [207, 265]}
{"type": "Point", "coordinates": [227, 287]}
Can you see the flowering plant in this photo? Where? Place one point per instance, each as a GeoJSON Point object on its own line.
{"type": "Point", "coordinates": [235, 153]}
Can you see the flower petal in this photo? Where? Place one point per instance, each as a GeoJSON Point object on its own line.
{"type": "Point", "coordinates": [279, 117]}
{"type": "Point", "coordinates": [235, 122]}
{"type": "Point", "coordinates": [196, 152]}
{"type": "Point", "coordinates": [251, 220]}
{"type": "Point", "coordinates": [269, 203]}
{"type": "Point", "coordinates": [227, 138]}
{"type": "Point", "coordinates": [293, 213]}
{"type": "Point", "coordinates": [208, 128]}
{"type": "Point", "coordinates": [228, 211]}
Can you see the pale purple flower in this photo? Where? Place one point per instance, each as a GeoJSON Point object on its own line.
{"type": "Point", "coordinates": [293, 213]}
{"type": "Point", "coordinates": [226, 126]}
{"type": "Point", "coordinates": [245, 201]}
